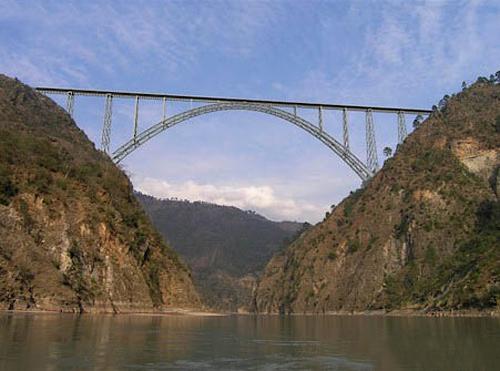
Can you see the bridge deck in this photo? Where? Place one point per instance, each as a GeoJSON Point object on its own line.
{"type": "Point", "coordinates": [205, 99]}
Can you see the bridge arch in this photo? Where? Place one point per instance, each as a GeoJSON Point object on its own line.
{"type": "Point", "coordinates": [347, 156]}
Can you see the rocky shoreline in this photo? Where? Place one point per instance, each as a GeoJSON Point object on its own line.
{"type": "Point", "coordinates": [171, 311]}
{"type": "Point", "coordinates": [201, 313]}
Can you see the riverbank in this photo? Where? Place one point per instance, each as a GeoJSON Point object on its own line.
{"type": "Point", "coordinates": [394, 313]}
{"type": "Point", "coordinates": [201, 313]}
{"type": "Point", "coordinates": [166, 312]}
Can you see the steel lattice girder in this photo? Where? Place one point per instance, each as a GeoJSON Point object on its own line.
{"type": "Point", "coordinates": [348, 157]}
{"type": "Point", "coordinates": [402, 133]}
{"type": "Point", "coordinates": [106, 126]}
{"type": "Point", "coordinates": [371, 144]}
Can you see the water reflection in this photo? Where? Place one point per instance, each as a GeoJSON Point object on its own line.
{"type": "Point", "coordinates": [61, 342]}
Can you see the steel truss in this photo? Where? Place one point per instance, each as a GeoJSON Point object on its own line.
{"type": "Point", "coordinates": [106, 125]}
{"type": "Point", "coordinates": [70, 103]}
{"type": "Point", "coordinates": [402, 133]}
{"type": "Point", "coordinates": [274, 108]}
{"type": "Point", "coordinates": [348, 157]}
{"type": "Point", "coordinates": [371, 144]}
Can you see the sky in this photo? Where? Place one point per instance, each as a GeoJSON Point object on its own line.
{"type": "Point", "coordinates": [387, 53]}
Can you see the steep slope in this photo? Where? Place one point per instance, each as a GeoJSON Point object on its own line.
{"type": "Point", "coordinates": [424, 233]}
{"type": "Point", "coordinates": [225, 246]}
{"type": "Point", "coordinates": [73, 237]}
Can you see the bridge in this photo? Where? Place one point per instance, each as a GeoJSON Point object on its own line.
{"type": "Point", "coordinates": [285, 110]}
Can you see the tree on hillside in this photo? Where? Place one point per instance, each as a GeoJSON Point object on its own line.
{"type": "Point", "coordinates": [387, 151]}
{"type": "Point", "coordinates": [443, 102]}
{"type": "Point", "coordinates": [482, 80]}
{"type": "Point", "coordinates": [417, 122]}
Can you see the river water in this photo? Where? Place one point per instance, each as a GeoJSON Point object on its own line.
{"type": "Point", "coordinates": [42, 341]}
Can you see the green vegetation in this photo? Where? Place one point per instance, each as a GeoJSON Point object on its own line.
{"type": "Point", "coordinates": [7, 188]}
{"type": "Point", "coordinates": [59, 190]}
{"type": "Point", "coordinates": [223, 244]}
{"type": "Point", "coordinates": [387, 151]}
{"type": "Point", "coordinates": [401, 229]}
{"type": "Point", "coordinates": [418, 121]}
{"type": "Point", "coordinates": [353, 246]}
{"type": "Point", "coordinates": [423, 233]}
{"type": "Point", "coordinates": [469, 278]}
{"type": "Point", "coordinates": [350, 202]}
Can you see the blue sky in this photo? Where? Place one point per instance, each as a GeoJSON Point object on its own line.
{"type": "Point", "coordinates": [407, 53]}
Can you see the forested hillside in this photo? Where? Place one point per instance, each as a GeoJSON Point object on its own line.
{"type": "Point", "coordinates": [423, 234]}
{"type": "Point", "coordinates": [226, 247]}
{"type": "Point", "coordinates": [72, 235]}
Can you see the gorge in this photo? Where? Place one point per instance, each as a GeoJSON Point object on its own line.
{"type": "Point", "coordinates": [421, 235]}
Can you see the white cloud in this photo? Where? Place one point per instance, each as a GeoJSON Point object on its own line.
{"type": "Point", "coordinates": [384, 53]}
{"type": "Point", "coordinates": [261, 198]}
{"type": "Point", "coordinates": [407, 53]}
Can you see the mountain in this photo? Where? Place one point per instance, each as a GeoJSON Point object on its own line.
{"type": "Point", "coordinates": [423, 234]}
{"type": "Point", "coordinates": [226, 247]}
{"type": "Point", "coordinates": [73, 236]}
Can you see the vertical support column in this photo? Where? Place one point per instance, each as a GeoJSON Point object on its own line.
{"type": "Point", "coordinates": [70, 102]}
{"type": "Point", "coordinates": [320, 118]}
{"type": "Point", "coordinates": [136, 117]}
{"type": "Point", "coordinates": [106, 126]}
{"type": "Point", "coordinates": [371, 145]}
{"type": "Point", "coordinates": [295, 111]}
{"type": "Point", "coordinates": [401, 127]}
{"type": "Point", "coordinates": [164, 108]}
{"type": "Point", "coordinates": [345, 128]}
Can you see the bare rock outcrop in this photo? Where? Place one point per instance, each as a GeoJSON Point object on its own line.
{"type": "Point", "coordinates": [422, 234]}
{"type": "Point", "coordinates": [72, 235]}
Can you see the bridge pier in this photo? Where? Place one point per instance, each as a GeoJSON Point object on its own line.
{"type": "Point", "coordinates": [371, 145]}
{"type": "Point", "coordinates": [401, 127]}
{"type": "Point", "coordinates": [345, 128]}
{"type": "Point", "coordinates": [320, 118]}
{"type": "Point", "coordinates": [106, 125]}
{"type": "Point", "coordinates": [136, 117]}
{"type": "Point", "coordinates": [164, 106]}
{"type": "Point", "coordinates": [70, 103]}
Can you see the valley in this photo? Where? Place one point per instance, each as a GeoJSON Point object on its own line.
{"type": "Point", "coordinates": [225, 247]}
{"type": "Point", "coordinates": [421, 235]}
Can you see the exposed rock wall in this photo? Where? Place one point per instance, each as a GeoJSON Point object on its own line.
{"type": "Point", "coordinates": [72, 235]}
{"type": "Point", "coordinates": [422, 234]}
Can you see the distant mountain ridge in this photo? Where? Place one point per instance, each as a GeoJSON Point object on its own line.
{"type": "Point", "coordinates": [226, 247]}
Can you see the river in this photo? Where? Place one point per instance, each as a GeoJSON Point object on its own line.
{"type": "Point", "coordinates": [44, 341]}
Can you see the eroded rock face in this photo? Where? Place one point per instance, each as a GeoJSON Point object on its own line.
{"type": "Point", "coordinates": [421, 234]}
{"type": "Point", "coordinates": [479, 161]}
{"type": "Point", "coordinates": [73, 237]}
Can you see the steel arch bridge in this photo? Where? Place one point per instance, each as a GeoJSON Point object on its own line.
{"type": "Point", "coordinates": [273, 108]}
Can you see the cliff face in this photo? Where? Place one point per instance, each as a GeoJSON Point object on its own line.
{"type": "Point", "coordinates": [424, 233]}
{"type": "Point", "coordinates": [226, 247]}
{"type": "Point", "coordinates": [73, 237]}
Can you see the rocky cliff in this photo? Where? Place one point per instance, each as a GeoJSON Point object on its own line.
{"type": "Point", "coordinates": [226, 247]}
{"type": "Point", "coordinates": [423, 234]}
{"type": "Point", "coordinates": [72, 235]}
